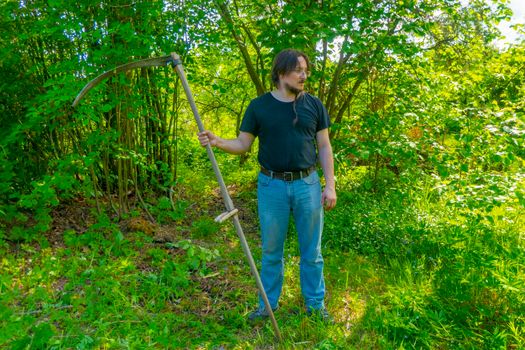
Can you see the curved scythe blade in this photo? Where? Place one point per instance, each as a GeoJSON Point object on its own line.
{"type": "Point", "coordinates": [149, 62]}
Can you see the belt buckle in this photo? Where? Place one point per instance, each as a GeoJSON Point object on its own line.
{"type": "Point", "coordinates": [286, 174]}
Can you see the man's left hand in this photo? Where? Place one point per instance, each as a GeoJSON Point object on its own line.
{"type": "Point", "coordinates": [329, 198]}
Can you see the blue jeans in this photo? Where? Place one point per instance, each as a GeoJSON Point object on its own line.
{"type": "Point", "coordinates": [276, 200]}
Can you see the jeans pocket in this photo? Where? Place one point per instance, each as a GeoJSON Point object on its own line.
{"type": "Point", "coordinates": [311, 179]}
{"type": "Point", "coordinates": [263, 180]}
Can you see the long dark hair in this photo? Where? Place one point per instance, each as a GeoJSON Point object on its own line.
{"type": "Point", "coordinates": [285, 62]}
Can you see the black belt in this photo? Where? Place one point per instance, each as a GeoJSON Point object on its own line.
{"type": "Point", "coordinates": [288, 175]}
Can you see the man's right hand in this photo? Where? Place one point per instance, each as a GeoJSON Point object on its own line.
{"type": "Point", "coordinates": [239, 145]}
{"type": "Point", "coordinates": [207, 137]}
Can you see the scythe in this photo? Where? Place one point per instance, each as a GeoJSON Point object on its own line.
{"type": "Point", "coordinates": [231, 211]}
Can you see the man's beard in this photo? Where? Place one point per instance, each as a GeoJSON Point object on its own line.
{"type": "Point", "coordinates": [292, 89]}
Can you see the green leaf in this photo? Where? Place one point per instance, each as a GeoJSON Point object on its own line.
{"type": "Point", "coordinates": [106, 107]}
{"type": "Point", "coordinates": [443, 171]}
{"type": "Point", "coordinates": [521, 198]}
{"type": "Point", "coordinates": [43, 333]}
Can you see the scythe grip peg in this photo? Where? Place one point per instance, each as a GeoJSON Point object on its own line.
{"type": "Point", "coordinates": [226, 215]}
{"type": "Point", "coordinates": [174, 62]}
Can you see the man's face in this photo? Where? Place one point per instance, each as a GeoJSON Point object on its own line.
{"type": "Point", "coordinates": [294, 81]}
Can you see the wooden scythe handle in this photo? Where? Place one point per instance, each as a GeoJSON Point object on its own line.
{"type": "Point", "coordinates": [226, 197]}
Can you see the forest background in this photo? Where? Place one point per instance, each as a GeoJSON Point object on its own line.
{"type": "Point", "coordinates": [107, 238]}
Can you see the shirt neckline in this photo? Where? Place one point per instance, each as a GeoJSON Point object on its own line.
{"type": "Point", "coordinates": [278, 100]}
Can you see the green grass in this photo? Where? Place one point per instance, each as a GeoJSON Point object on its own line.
{"type": "Point", "coordinates": [404, 270]}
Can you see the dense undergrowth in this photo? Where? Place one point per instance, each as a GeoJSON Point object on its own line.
{"type": "Point", "coordinates": [407, 266]}
{"type": "Point", "coordinates": [107, 238]}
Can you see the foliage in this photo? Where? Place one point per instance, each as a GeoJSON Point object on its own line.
{"type": "Point", "coordinates": [413, 273]}
{"type": "Point", "coordinates": [129, 134]}
{"type": "Point", "coordinates": [94, 286]}
{"type": "Point", "coordinates": [424, 250]}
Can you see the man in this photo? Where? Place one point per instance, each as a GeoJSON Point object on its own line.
{"type": "Point", "coordinates": [290, 124]}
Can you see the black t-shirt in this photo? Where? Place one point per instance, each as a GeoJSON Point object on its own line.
{"type": "Point", "coordinates": [284, 146]}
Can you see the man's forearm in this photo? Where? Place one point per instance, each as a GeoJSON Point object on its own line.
{"type": "Point", "coordinates": [327, 163]}
{"type": "Point", "coordinates": [233, 146]}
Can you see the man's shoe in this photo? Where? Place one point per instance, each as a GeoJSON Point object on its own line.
{"type": "Point", "coordinates": [321, 314]}
{"type": "Point", "coordinates": [259, 315]}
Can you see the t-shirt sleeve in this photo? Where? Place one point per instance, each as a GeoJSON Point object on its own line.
{"type": "Point", "coordinates": [249, 121]}
{"type": "Point", "coordinates": [324, 119]}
